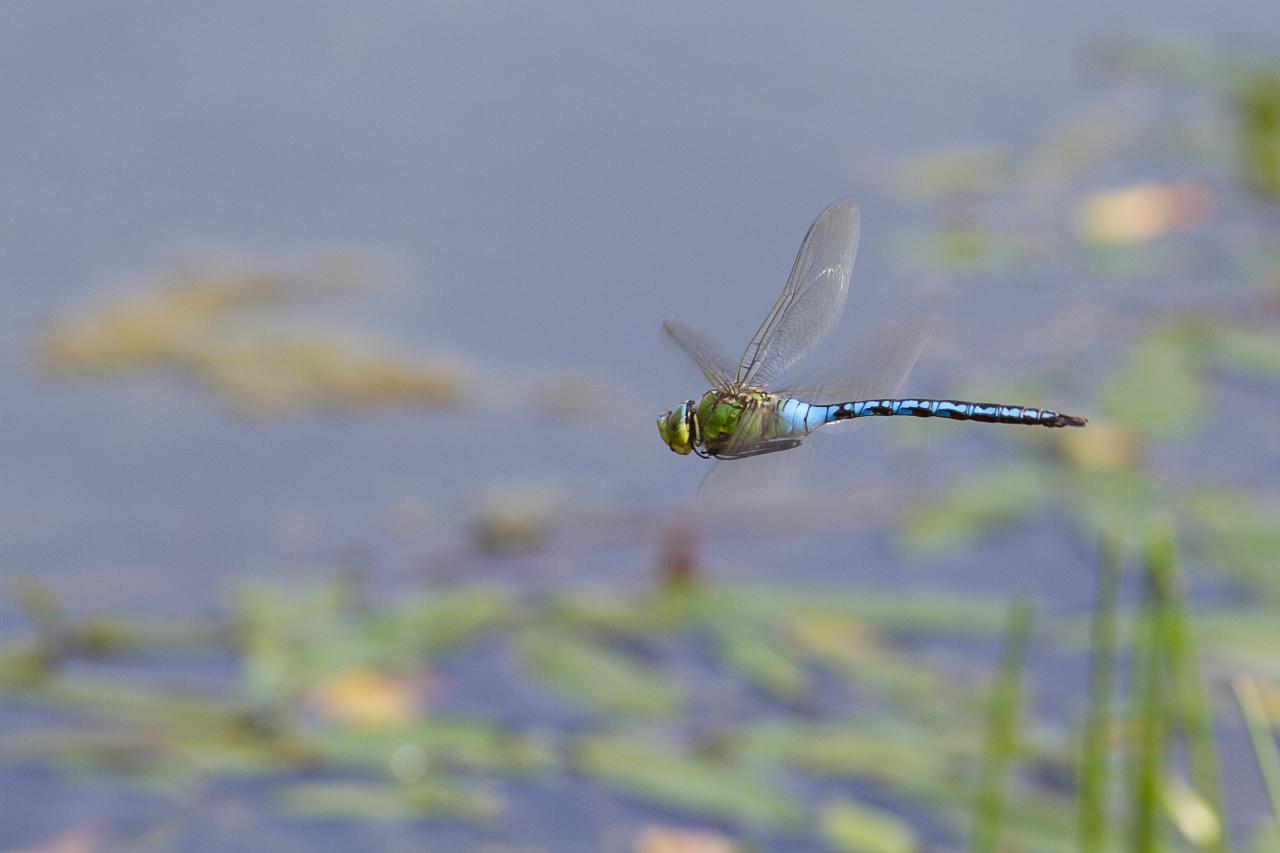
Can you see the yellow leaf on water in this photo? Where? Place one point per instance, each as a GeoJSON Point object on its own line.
{"type": "Point", "coordinates": [1191, 814]}
{"type": "Point", "coordinates": [366, 697]}
{"type": "Point", "coordinates": [670, 839]}
{"type": "Point", "coordinates": [837, 638]}
{"type": "Point", "coordinates": [853, 827]}
{"type": "Point", "coordinates": [1142, 212]}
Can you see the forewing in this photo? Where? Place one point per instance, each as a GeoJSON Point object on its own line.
{"type": "Point", "coordinates": [713, 363]}
{"type": "Point", "coordinates": [812, 299]}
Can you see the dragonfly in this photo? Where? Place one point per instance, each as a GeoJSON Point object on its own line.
{"type": "Point", "coordinates": [743, 415]}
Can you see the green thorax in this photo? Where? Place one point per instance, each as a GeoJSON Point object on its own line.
{"type": "Point", "coordinates": [719, 415]}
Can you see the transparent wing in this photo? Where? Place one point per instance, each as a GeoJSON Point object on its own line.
{"type": "Point", "coordinates": [771, 479]}
{"type": "Point", "coordinates": [714, 364]}
{"type": "Point", "coordinates": [812, 299]}
{"type": "Point", "coordinates": [872, 370]}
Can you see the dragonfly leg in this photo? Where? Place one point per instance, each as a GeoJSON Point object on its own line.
{"type": "Point", "coordinates": [761, 449]}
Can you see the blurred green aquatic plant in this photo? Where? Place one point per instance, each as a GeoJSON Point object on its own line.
{"type": "Point", "coordinates": [1132, 792]}
{"type": "Point", "coordinates": [342, 689]}
{"type": "Point", "coordinates": [1157, 390]}
{"type": "Point", "coordinates": [1261, 728]}
{"type": "Point", "coordinates": [963, 245]}
{"type": "Point", "coordinates": [689, 782]}
{"type": "Point", "coordinates": [1000, 210]}
{"type": "Point", "coordinates": [1002, 731]}
{"type": "Point", "coordinates": [1248, 84]}
{"type": "Point", "coordinates": [597, 675]}
{"type": "Point", "coordinates": [879, 749]}
{"type": "Point", "coordinates": [278, 373]}
{"type": "Point", "coordinates": [379, 801]}
{"type": "Point", "coordinates": [958, 517]}
{"type": "Point", "coordinates": [441, 743]}
{"type": "Point", "coordinates": [292, 638]}
{"type": "Point", "coordinates": [1158, 393]}
{"type": "Point", "coordinates": [1174, 698]}
{"type": "Point", "coordinates": [848, 825]}
{"type": "Point", "coordinates": [954, 173]}
{"type": "Point", "coordinates": [781, 640]}
{"type": "Point", "coordinates": [335, 709]}
{"type": "Point", "coordinates": [1237, 533]}
{"type": "Point", "coordinates": [1257, 104]}
{"type": "Point", "coordinates": [325, 684]}
{"type": "Point", "coordinates": [160, 324]}
{"type": "Point", "coordinates": [1096, 742]}
{"type": "Point", "coordinates": [758, 654]}
{"type": "Point", "coordinates": [204, 323]}
{"type": "Point", "coordinates": [1173, 220]}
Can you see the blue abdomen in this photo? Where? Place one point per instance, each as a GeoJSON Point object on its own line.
{"type": "Point", "coordinates": [796, 417]}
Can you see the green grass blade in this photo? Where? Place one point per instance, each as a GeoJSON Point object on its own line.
{"type": "Point", "coordinates": [1097, 737]}
{"type": "Point", "coordinates": [1261, 739]}
{"type": "Point", "coordinates": [1147, 720]}
{"type": "Point", "coordinates": [1189, 699]}
{"type": "Point", "coordinates": [1002, 729]}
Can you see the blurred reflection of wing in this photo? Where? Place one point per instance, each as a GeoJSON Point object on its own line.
{"type": "Point", "coordinates": [812, 299]}
{"type": "Point", "coordinates": [868, 372]}
{"type": "Point", "coordinates": [714, 364]}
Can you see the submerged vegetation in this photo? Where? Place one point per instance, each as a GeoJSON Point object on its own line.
{"type": "Point", "coordinates": [205, 323]}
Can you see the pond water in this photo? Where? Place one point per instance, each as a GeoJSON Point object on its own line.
{"type": "Point", "coordinates": [533, 190]}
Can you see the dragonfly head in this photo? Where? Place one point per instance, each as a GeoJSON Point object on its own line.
{"type": "Point", "coordinates": [679, 428]}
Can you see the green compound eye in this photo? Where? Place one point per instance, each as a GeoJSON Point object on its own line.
{"type": "Point", "coordinates": [674, 429]}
